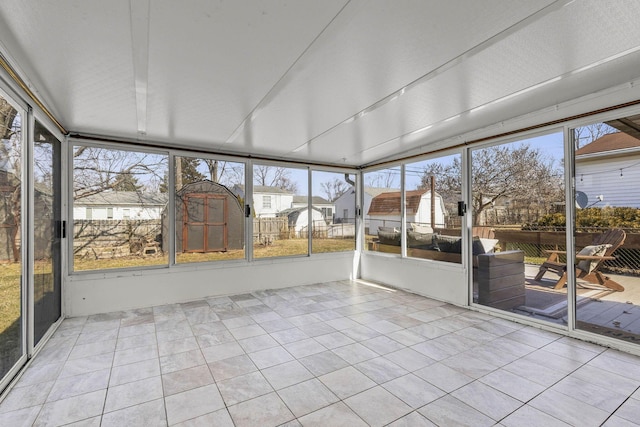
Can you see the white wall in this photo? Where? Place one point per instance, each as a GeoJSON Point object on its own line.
{"type": "Point", "coordinates": [440, 280]}
{"type": "Point", "coordinates": [92, 293]}
{"type": "Point", "coordinates": [602, 177]}
{"type": "Point", "coordinates": [135, 212]}
{"type": "Point", "coordinates": [279, 202]}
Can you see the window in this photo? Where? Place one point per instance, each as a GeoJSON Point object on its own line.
{"type": "Point", "coordinates": [517, 189]}
{"type": "Point", "coordinates": [381, 210]}
{"type": "Point", "coordinates": [432, 190]}
{"type": "Point", "coordinates": [111, 177]}
{"type": "Point", "coordinates": [607, 172]}
{"type": "Point", "coordinates": [209, 204]}
{"type": "Point", "coordinates": [126, 213]}
{"type": "Point", "coordinates": [280, 229]}
{"type": "Point", "coordinates": [331, 190]}
{"type": "Point", "coordinates": [109, 213]}
{"type": "Point", "coordinates": [266, 202]}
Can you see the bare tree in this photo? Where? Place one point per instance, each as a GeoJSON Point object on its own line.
{"type": "Point", "coordinates": [274, 176]}
{"type": "Point", "coordinates": [388, 178]}
{"type": "Point", "coordinates": [584, 135]}
{"type": "Point", "coordinates": [334, 188]}
{"type": "Point", "coordinates": [519, 173]}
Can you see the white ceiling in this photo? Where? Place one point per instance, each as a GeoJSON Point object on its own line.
{"type": "Point", "coordinates": [331, 81]}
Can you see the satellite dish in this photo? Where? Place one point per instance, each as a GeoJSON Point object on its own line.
{"type": "Point", "coordinates": [581, 199]}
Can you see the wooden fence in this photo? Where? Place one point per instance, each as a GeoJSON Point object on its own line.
{"type": "Point", "coordinates": [266, 230]}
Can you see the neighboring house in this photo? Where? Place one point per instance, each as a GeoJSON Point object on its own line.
{"type": "Point", "coordinates": [610, 167]}
{"type": "Point", "coordinates": [384, 210]}
{"type": "Point", "coordinates": [299, 219]}
{"type": "Point", "coordinates": [119, 205]}
{"type": "Point", "coordinates": [346, 203]}
{"type": "Point", "coordinates": [326, 207]}
{"type": "Point", "coordinates": [267, 201]}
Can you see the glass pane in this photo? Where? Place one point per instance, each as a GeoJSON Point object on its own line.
{"type": "Point", "coordinates": [133, 185]}
{"type": "Point", "coordinates": [517, 192]}
{"type": "Point", "coordinates": [333, 195]}
{"type": "Point", "coordinates": [433, 188]}
{"type": "Point", "coordinates": [607, 234]}
{"type": "Point", "coordinates": [209, 210]}
{"type": "Point", "coordinates": [381, 210]}
{"type": "Point", "coordinates": [46, 245]}
{"type": "Point", "coordinates": [11, 339]}
{"type": "Point", "coordinates": [281, 227]}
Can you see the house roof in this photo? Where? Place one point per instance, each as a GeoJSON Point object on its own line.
{"type": "Point", "coordinates": [263, 189]}
{"type": "Point", "coordinates": [610, 142]}
{"type": "Point", "coordinates": [389, 203]}
{"type": "Point", "coordinates": [315, 200]}
{"type": "Point", "coordinates": [130, 198]}
{"type": "Point", "coordinates": [375, 191]}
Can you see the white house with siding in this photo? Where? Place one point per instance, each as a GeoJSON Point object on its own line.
{"type": "Point", "coordinates": [120, 205]}
{"type": "Point", "coordinates": [610, 167]}
{"type": "Point", "coordinates": [267, 201]}
{"type": "Point", "coordinates": [346, 203]}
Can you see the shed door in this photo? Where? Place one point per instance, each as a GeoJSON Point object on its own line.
{"type": "Point", "coordinates": [205, 223]}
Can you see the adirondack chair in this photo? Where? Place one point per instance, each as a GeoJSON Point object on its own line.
{"type": "Point", "coordinates": [588, 265]}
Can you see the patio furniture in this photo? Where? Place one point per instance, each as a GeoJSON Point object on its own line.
{"type": "Point", "coordinates": [500, 277]}
{"type": "Point", "coordinates": [589, 260]}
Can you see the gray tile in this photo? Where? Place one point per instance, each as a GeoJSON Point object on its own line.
{"type": "Point", "coordinates": [290, 335]}
{"type": "Point", "coordinates": [24, 397]}
{"type": "Point", "coordinates": [214, 338]}
{"type": "Point", "coordinates": [335, 415]}
{"type": "Point", "coordinates": [487, 400]}
{"type": "Point", "coordinates": [307, 397]}
{"type": "Point", "coordinates": [267, 410]}
{"type": "Point", "coordinates": [616, 421]}
{"type": "Point", "coordinates": [377, 406]}
{"type": "Point", "coordinates": [413, 390]}
{"type": "Point", "coordinates": [134, 372]}
{"type": "Point", "coordinates": [470, 366]}
{"type": "Point", "coordinates": [286, 374]}
{"type": "Point", "coordinates": [347, 382]}
{"type": "Point", "coordinates": [630, 410]}
{"type": "Point", "coordinates": [512, 385]}
{"type": "Point", "coordinates": [232, 367]}
{"type": "Point", "coordinates": [303, 348]}
{"type": "Point", "coordinates": [334, 340]}
{"type": "Point", "coordinates": [409, 359]}
{"type": "Point", "coordinates": [73, 409]}
{"type": "Point", "coordinates": [92, 349]}
{"type": "Point", "coordinates": [20, 417]}
{"type": "Point", "coordinates": [193, 403]}
{"type": "Point", "coordinates": [41, 373]}
{"type": "Point", "coordinates": [323, 363]}
{"type": "Point", "coordinates": [610, 381]}
{"type": "Point", "coordinates": [414, 419]}
{"type": "Point", "coordinates": [133, 341]}
{"type": "Point", "coordinates": [79, 384]}
{"type": "Point", "coordinates": [186, 379]}
{"type": "Point", "coordinates": [247, 331]}
{"type": "Point", "coordinates": [132, 355]}
{"type": "Point", "coordinates": [208, 328]}
{"type": "Point", "coordinates": [142, 415]}
{"type": "Point", "coordinates": [260, 342]}
{"type": "Point", "coordinates": [219, 418]}
{"type": "Point", "coordinates": [443, 377]}
{"type": "Point", "coordinates": [568, 409]}
{"type": "Point", "coordinates": [270, 357]}
{"type": "Point", "coordinates": [355, 353]}
{"type": "Point", "coordinates": [243, 387]}
{"type": "Point", "coordinates": [590, 393]}
{"type": "Point", "coordinates": [381, 370]}
{"type": "Point", "coordinates": [180, 361]}
{"type": "Point", "coordinates": [407, 337]}
{"type": "Point", "coordinates": [180, 345]}
{"type": "Point", "coordinates": [86, 365]}
{"type": "Point", "coordinates": [133, 393]}
{"type": "Point", "coordinates": [449, 411]}
{"type": "Point", "coordinates": [528, 416]}
{"type": "Point", "coordinates": [222, 351]}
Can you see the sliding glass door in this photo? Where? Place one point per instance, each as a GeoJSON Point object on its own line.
{"type": "Point", "coordinates": [47, 230]}
{"type": "Point", "coordinates": [517, 206]}
{"type": "Point", "coordinates": [607, 227]}
{"type": "Point", "coordinates": [12, 283]}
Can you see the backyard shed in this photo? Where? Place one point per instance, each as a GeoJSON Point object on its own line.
{"type": "Point", "coordinates": [209, 218]}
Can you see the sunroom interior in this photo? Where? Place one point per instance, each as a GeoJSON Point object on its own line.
{"type": "Point", "coordinates": [443, 158]}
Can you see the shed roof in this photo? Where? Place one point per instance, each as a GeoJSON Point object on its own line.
{"type": "Point", "coordinates": [389, 203]}
{"type": "Point", "coordinates": [129, 198]}
{"type": "Point", "coordinates": [610, 142]}
{"type": "Point", "coordinates": [315, 200]}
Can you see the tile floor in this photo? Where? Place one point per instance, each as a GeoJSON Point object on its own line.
{"type": "Point", "coordinates": [334, 354]}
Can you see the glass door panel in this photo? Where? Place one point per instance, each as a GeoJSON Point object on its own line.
{"type": "Point", "coordinates": [607, 233]}
{"type": "Point", "coordinates": [517, 206]}
{"type": "Point", "coordinates": [47, 230]}
{"type": "Point", "coordinates": [12, 342]}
